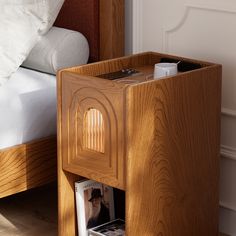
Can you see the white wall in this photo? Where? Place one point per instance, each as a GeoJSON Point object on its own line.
{"type": "Point", "coordinates": [205, 30]}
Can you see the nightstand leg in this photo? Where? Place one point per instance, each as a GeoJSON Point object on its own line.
{"type": "Point", "coordinates": [66, 204]}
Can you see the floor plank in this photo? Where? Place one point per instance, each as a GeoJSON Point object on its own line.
{"type": "Point", "coordinates": [30, 213]}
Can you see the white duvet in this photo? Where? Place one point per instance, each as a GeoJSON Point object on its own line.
{"type": "Point", "coordinates": [27, 102]}
{"type": "Point", "coordinates": [21, 24]}
{"type": "Point", "coordinates": [27, 98]}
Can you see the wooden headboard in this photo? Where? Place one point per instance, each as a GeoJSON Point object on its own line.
{"type": "Point", "coordinates": [102, 23]}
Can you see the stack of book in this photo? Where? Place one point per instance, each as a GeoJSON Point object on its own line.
{"type": "Point", "coordinates": [95, 210]}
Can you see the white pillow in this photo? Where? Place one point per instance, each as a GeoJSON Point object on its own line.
{"type": "Point", "coordinates": [58, 49]}
{"type": "Point", "coordinates": [21, 24]}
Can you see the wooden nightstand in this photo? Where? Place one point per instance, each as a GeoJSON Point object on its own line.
{"type": "Point", "coordinates": [158, 140]}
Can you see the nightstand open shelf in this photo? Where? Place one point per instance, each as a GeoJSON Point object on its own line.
{"type": "Point", "coordinates": [158, 140]}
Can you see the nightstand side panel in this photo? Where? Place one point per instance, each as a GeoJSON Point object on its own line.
{"type": "Point", "coordinates": [173, 151]}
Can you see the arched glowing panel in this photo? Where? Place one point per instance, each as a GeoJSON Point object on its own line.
{"type": "Point", "coordinates": [93, 131]}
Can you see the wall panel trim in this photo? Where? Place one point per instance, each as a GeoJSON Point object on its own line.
{"type": "Point", "coordinates": [137, 26]}
{"type": "Point", "coordinates": [228, 151]}
{"type": "Point", "coordinates": [187, 7]}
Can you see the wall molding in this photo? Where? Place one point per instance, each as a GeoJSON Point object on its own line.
{"type": "Point", "coordinates": [166, 30]}
{"type": "Point", "coordinates": [212, 6]}
{"type": "Point", "coordinates": [225, 7]}
{"type": "Point", "coordinates": [228, 152]}
{"type": "Point", "coordinates": [187, 8]}
{"type": "Point", "coordinates": [137, 26]}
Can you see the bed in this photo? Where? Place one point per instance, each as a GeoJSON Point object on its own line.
{"type": "Point", "coordinates": [33, 163]}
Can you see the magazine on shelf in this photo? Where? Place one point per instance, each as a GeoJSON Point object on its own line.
{"type": "Point", "coordinates": [112, 228]}
{"type": "Point", "coordinates": [94, 205]}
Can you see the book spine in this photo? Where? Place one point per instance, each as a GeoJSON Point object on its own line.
{"type": "Point", "coordinates": [80, 210]}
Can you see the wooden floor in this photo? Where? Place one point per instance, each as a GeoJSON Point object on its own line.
{"type": "Point", "coordinates": [30, 213]}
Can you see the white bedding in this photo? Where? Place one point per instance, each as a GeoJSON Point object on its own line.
{"type": "Point", "coordinates": [27, 107]}
{"type": "Point", "coordinates": [22, 22]}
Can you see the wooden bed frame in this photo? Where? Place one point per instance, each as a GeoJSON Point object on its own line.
{"type": "Point", "coordinates": [34, 164]}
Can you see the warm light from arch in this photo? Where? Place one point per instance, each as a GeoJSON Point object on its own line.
{"type": "Point", "coordinates": [93, 131]}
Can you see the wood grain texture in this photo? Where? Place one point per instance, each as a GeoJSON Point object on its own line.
{"type": "Point", "coordinates": [111, 29]}
{"type": "Point", "coordinates": [66, 166]}
{"type": "Point", "coordinates": [107, 16]}
{"type": "Point", "coordinates": [79, 95]}
{"type": "Point", "coordinates": [116, 64]}
{"type": "Point", "coordinates": [168, 150]}
{"type": "Point", "coordinates": [173, 155]}
{"type": "Point", "coordinates": [93, 131]}
{"type": "Point", "coordinates": [142, 60]}
{"type": "Point", "coordinates": [66, 200]}
{"type": "Point", "coordinates": [27, 166]}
